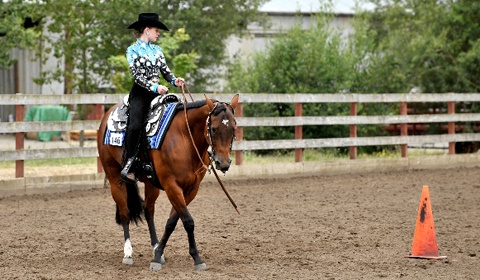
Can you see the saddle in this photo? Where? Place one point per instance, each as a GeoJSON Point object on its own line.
{"type": "Point", "coordinates": [117, 122]}
{"type": "Point", "coordinates": [161, 113]}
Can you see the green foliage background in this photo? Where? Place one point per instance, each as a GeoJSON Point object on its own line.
{"type": "Point", "coordinates": [89, 34]}
{"type": "Point", "coordinates": [12, 31]}
{"type": "Point", "coordinates": [427, 45]}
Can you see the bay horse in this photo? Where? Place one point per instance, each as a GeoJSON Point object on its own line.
{"type": "Point", "coordinates": [178, 168]}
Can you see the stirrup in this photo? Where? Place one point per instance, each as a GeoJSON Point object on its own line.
{"type": "Point", "coordinates": [148, 170]}
{"type": "Point", "coordinates": [126, 175]}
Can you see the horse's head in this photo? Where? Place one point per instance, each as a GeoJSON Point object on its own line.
{"type": "Point", "coordinates": [220, 131]}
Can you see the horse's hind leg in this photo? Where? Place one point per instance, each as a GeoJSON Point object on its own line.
{"type": "Point", "coordinates": [127, 248]}
{"type": "Point", "coordinates": [129, 208]}
{"type": "Point", "coordinates": [122, 217]}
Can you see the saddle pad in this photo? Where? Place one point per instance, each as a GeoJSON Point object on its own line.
{"type": "Point", "coordinates": [158, 122]}
{"type": "Point", "coordinates": [155, 141]}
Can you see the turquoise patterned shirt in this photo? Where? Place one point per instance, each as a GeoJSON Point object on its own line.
{"type": "Point", "coordinates": [146, 61]}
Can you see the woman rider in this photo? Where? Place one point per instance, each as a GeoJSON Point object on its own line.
{"type": "Point", "coordinates": [146, 61]}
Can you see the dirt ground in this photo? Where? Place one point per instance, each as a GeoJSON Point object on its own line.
{"type": "Point", "coordinates": [351, 226]}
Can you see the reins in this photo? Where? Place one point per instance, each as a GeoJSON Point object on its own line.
{"type": "Point", "coordinates": [188, 126]}
{"type": "Point", "coordinates": [198, 154]}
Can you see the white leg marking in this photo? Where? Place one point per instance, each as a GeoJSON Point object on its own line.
{"type": "Point", "coordinates": [128, 250]}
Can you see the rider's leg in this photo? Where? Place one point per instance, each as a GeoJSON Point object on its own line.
{"type": "Point", "coordinates": [139, 103]}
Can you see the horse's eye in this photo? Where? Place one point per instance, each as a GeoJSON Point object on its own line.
{"type": "Point", "coordinates": [214, 130]}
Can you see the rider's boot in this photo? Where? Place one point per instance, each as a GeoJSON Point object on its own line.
{"type": "Point", "coordinates": [128, 174]}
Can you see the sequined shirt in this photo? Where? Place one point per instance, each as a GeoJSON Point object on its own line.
{"type": "Point", "coordinates": [146, 61]}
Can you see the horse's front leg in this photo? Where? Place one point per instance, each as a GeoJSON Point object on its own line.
{"type": "Point", "coordinates": [179, 201]}
{"type": "Point", "coordinates": [158, 251]}
{"type": "Point", "coordinates": [151, 195]}
{"type": "Point", "coordinates": [189, 226]}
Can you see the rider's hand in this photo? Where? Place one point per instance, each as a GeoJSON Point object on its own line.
{"type": "Point", "coordinates": [162, 89]}
{"type": "Point", "coordinates": [179, 82]}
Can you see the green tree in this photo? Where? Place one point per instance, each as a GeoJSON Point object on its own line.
{"type": "Point", "coordinates": [17, 29]}
{"type": "Point", "coordinates": [75, 24]}
{"type": "Point", "coordinates": [431, 44]}
{"type": "Point", "coordinates": [88, 33]}
{"type": "Point", "coordinates": [315, 60]}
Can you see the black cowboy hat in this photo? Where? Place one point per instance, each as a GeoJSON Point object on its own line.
{"type": "Point", "coordinates": [148, 20]}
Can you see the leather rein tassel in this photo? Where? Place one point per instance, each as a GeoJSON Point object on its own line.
{"type": "Point", "coordinates": [198, 154]}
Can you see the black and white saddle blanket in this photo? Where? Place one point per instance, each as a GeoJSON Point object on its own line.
{"type": "Point", "coordinates": [162, 111]}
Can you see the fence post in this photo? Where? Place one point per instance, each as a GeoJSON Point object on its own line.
{"type": "Point", "coordinates": [353, 130]}
{"type": "Point", "coordinates": [298, 132]}
{"type": "Point", "coordinates": [239, 134]}
{"type": "Point", "coordinates": [19, 140]}
{"type": "Point", "coordinates": [403, 128]}
{"type": "Point", "coordinates": [451, 128]}
{"type": "Point", "coordinates": [99, 110]}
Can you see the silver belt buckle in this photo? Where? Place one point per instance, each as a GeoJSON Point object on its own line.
{"type": "Point", "coordinates": [155, 80]}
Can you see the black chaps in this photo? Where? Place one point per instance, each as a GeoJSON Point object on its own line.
{"type": "Point", "coordinates": [139, 104]}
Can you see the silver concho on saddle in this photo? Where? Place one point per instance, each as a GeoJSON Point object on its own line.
{"type": "Point", "coordinates": [162, 110]}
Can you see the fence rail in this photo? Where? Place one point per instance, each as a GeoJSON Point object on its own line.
{"type": "Point", "coordinates": [20, 127]}
{"type": "Point", "coordinates": [252, 122]}
{"type": "Point", "coordinates": [348, 142]}
{"type": "Point", "coordinates": [48, 126]}
{"type": "Point", "coordinates": [43, 99]}
{"type": "Point", "coordinates": [337, 120]}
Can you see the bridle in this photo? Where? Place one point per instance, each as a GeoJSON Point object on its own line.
{"type": "Point", "coordinates": [211, 142]}
{"type": "Point", "coordinates": [209, 132]}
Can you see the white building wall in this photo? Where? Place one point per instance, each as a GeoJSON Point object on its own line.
{"type": "Point", "coordinates": [28, 69]}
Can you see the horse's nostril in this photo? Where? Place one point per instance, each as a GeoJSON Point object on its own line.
{"type": "Point", "coordinates": [229, 161]}
{"type": "Point", "coordinates": [217, 163]}
{"type": "Point", "coordinates": [225, 169]}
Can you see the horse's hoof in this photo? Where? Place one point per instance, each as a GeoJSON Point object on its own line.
{"type": "Point", "coordinates": [127, 260]}
{"type": "Point", "coordinates": [201, 266]}
{"type": "Point", "coordinates": [155, 266]}
{"type": "Point", "coordinates": [162, 260]}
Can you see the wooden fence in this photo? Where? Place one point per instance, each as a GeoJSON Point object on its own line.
{"type": "Point", "coordinates": [20, 127]}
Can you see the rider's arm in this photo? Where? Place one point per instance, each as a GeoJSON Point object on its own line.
{"type": "Point", "coordinates": [166, 73]}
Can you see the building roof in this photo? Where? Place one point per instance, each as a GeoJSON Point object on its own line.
{"type": "Point", "coordinates": [310, 6]}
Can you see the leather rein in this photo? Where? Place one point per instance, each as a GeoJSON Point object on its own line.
{"type": "Point", "coordinates": [210, 144]}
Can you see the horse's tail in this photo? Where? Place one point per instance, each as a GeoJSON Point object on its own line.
{"type": "Point", "coordinates": [134, 204]}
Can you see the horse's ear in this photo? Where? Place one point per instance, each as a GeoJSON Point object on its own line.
{"type": "Point", "coordinates": [234, 101]}
{"type": "Point", "coordinates": [210, 103]}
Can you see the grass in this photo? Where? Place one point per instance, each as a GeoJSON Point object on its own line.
{"type": "Point", "coordinates": [328, 155]}
{"type": "Point", "coordinates": [248, 157]}
{"type": "Point", "coordinates": [52, 162]}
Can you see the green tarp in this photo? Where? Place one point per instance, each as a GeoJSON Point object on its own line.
{"type": "Point", "coordinates": [48, 114]}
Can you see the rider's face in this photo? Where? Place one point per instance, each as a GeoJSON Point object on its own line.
{"type": "Point", "coordinates": [153, 33]}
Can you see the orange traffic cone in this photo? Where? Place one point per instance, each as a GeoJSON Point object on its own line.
{"type": "Point", "coordinates": [424, 241]}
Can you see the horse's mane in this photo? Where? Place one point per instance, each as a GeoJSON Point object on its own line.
{"type": "Point", "coordinates": [194, 105]}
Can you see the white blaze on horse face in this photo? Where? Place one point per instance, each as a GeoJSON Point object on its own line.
{"type": "Point", "coordinates": [128, 250]}
{"type": "Point", "coordinates": [225, 122]}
